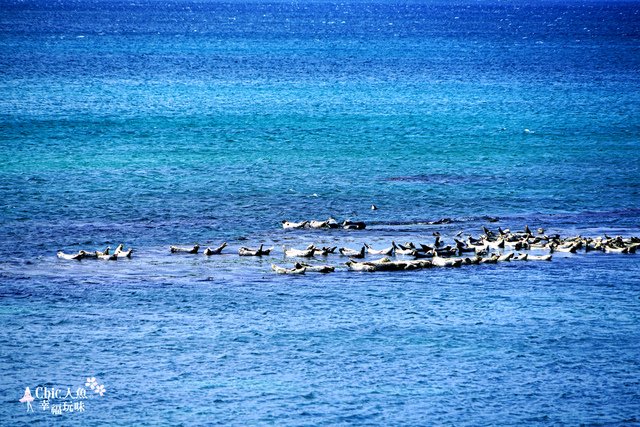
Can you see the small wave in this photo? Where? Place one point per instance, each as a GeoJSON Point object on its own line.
{"type": "Point", "coordinates": [440, 178]}
{"type": "Point", "coordinates": [440, 221]}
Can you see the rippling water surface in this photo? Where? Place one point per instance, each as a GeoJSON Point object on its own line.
{"type": "Point", "coordinates": [158, 123]}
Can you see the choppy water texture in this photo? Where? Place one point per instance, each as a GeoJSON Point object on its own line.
{"type": "Point", "coordinates": [156, 123]}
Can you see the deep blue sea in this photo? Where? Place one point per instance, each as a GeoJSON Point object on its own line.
{"type": "Point", "coordinates": [155, 123]}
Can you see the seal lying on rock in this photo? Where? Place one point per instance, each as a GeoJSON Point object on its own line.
{"type": "Point", "coordinates": [494, 244]}
{"type": "Point", "coordinates": [490, 260]}
{"type": "Point", "coordinates": [76, 257]}
{"type": "Point", "coordinates": [387, 251]}
{"type": "Point", "coordinates": [192, 250]}
{"type": "Point", "coordinates": [303, 253]}
{"type": "Point", "coordinates": [352, 252]}
{"type": "Point", "coordinates": [96, 254]}
{"type": "Point", "coordinates": [215, 251]}
{"type": "Point", "coordinates": [282, 270]}
{"type": "Point", "coordinates": [521, 257]}
{"type": "Point", "coordinates": [287, 225]}
{"type": "Point", "coordinates": [244, 251]}
{"type": "Point", "coordinates": [315, 268]}
{"type": "Point", "coordinates": [105, 252]}
{"type": "Point", "coordinates": [92, 254]}
{"type": "Point", "coordinates": [325, 250]}
{"type": "Point", "coordinates": [612, 250]}
{"type": "Point", "coordinates": [446, 262]}
{"type": "Point", "coordinates": [319, 224]}
{"type": "Point", "coordinates": [361, 266]}
{"type": "Point", "coordinates": [506, 257]}
{"type": "Point", "coordinates": [464, 248]}
{"type": "Point", "coordinates": [571, 247]}
{"type": "Point", "coordinates": [120, 253]}
{"type": "Point", "coordinates": [403, 250]}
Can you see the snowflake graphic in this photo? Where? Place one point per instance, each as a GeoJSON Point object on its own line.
{"type": "Point", "coordinates": [100, 390]}
{"type": "Point", "coordinates": [91, 383]}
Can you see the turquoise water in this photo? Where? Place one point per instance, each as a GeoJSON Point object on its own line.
{"type": "Point", "coordinates": [155, 123]}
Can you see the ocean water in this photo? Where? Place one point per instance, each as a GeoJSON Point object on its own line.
{"type": "Point", "coordinates": [155, 123]}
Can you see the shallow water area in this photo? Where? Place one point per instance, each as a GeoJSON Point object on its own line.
{"type": "Point", "coordinates": [439, 344]}
{"type": "Point", "coordinates": [173, 123]}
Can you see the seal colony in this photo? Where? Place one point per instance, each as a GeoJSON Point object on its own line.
{"type": "Point", "coordinates": [329, 223]}
{"type": "Point", "coordinates": [103, 255]}
{"type": "Point", "coordinates": [491, 247]}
